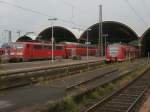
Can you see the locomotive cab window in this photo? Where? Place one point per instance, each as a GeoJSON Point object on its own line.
{"type": "Point", "coordinates": [17, 46]}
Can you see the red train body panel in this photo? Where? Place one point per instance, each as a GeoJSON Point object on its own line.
{"type": "Point", "coordinates": [77, 49]}
{"type": "Point", "coordinates": [121, 52]}
{"type": "Point", "coordinates": [31, 50]}
{"type": "Point", "coordinates": [2, 51]}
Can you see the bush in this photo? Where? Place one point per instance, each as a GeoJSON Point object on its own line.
{"type": "Point", "coordinates": [67, 105]}
{"type": "Point", "coordinates": [94, 95]}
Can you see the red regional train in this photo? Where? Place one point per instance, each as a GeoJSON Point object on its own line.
{"type": "Point", "coordinates": [121, 52]}
{"type": "Point", "coordinates": [78, 49]}
{"type": "Point", "coordinates": [25, 51]}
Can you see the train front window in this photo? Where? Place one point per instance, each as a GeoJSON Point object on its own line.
{"type": "Point", "coordinates": [17, 46]}
{"type": "Point", "coordinates": [113, 50]}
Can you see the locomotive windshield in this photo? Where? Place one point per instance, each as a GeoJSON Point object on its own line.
{"type": "Point", "coordinates": [17, 45]}
{"type": "Point", "coordinates": [113, 50]}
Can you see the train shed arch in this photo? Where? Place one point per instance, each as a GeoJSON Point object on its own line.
{"type": "Point", "coordinates": [28, 37]}
{"type": "Point", "coordinates": [24, 38]}
{"type": "Point", "coordinates": [61, 34]}
{"type": "Point", "coordinates": [116, 31]}
{"type": "Point", "coordinates": [145, 41]}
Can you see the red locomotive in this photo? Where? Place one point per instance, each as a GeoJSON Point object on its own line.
{"type": "Point", "coordinates": [121, 52]}
{"type": "Point", "coordinates": [25, 51]}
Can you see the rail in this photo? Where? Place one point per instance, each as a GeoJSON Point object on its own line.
{"type": "Point", "coordinates": [32, 76]}
{"type": "Point", "coordinates": [120, 95]}
{"type": "Point", "coordinates": [34, 69]}
{"type": "Point", "coordinates": [92, 79]}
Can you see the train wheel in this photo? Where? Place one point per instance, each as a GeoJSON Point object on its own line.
{"type": "Point", "coordinates": [20, 60]}
{"type": "Point", "coordinates": [25, 60]}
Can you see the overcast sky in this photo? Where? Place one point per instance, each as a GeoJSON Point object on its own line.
{"type": "Point", "coordinates": [82, 12]}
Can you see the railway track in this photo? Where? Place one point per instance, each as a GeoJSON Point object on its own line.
{"type": "Point", "coordinates": [91, 79]}
{"type": "Point", "coordinates": [97, 79]}
{"type": "Point", "coordinates": [126, 99]}
{"type": "Point", "coordinates": [52, 92]}
{"type": "Point", "coordinates": [26, 77]}
{"type": "Point", "coordinates": [110, 75]}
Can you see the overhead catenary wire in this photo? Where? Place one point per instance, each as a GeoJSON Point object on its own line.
{"type": "Point", "coordinates": [135, 12]}
{"type": "Point", "coordinates": [146, 8]}
{"type": "Point", "coordinates": [72, 8]}
{"type": "Point", "coordinates": [39, 13]}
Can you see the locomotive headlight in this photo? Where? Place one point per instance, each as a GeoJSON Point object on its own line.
{"type": "Point", "coordinates": [19, 53]}
{"type": "Point", "coordinates": [12, 53]}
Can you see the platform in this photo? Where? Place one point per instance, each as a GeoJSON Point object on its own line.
{"type": "Point", "coordinates": [25, 66]}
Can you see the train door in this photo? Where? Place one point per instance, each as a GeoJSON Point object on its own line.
{"type": "Point", "coordinates": [126, 54]}
{"type": "Point", "coordinates": [29, 49]}
{"type": "Point", "coordinates": [73, 52]}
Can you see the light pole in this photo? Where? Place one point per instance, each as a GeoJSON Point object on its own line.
{"type": "Point", "coordinates": [105, 37]}
{"type": "Point", "coordinates": [52, 38]}
{"type": "Point", "coordinates": [139, 44]}
{"type": "Point", "coordinates": [100, 39]}
{"type": "Point", "coordinates": [19, 33]}
{"type": "Point", "coordinates": [87, 42]}
{"type": "Point", "coordinates": [105, 44]}
{"type": "Point", "coordinates": [9, 34]}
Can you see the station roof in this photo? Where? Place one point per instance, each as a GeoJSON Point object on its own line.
{"type": "Point", "coordinates": [30, 36]}
{"type": "Point", "coordinates": [61, 34]}
{"type": "Point", "coordinates": [145, 39]}
{"type": "Point", "coordinates": [146, 33]}
{"type": "Point", "coordinates": [116, 31]}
